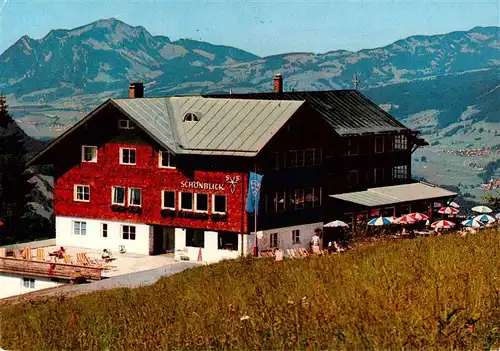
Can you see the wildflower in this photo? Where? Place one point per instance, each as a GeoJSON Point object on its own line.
{"type": "Point", "coordinates": [244, 318]}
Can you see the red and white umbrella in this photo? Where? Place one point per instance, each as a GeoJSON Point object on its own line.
{"type": "Point", "coordinates": [442, 224]}
{"type": "Point", "coordinates": [448, 210]}
{"type": "Point", "coordinates": [406, 219]}
{"type": "Point", "coordinates": [419, 216]}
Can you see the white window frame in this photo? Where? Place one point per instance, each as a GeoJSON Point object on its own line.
{"type": "Point", "coordinates": [129, 197]}
{"type": "Point", "coordinates": [192, 201]}
{"type": "Point", "coordinates": [213, 203]}
{"type": "Point", "coordinates": [383, 142]}
{"type": "Point", "coordinates": [81, 224]}
{"type": "Point", "coordinates": [195, 200]}
{"type": "Point", "coordinates": [104, 230]}
{"type": "Point", "coordinates": [113, 195]}
{"type": "Point", "coordinates": [122, 227]}
{"type": "Point", "coordinates": [127, 125]}
{"type": "Point", "coordinates": [349, 141]}
{"type": "Point", "coordinates": [75, 192]}
{"type": "Point", "coordinates": [296, 236]}
{"type": "Point", "coordinates": [273, 244]}
{"type": "Point", "coordinates": [397, 168]}
{"type": "Point", "coordinates": [121, 156]}
{"type": "Point", "coordinates": [400, 142]}
{"type": "Point", "coordinates": [161, 155]}
{"type": "Point", "coordinates": [31, 282]}
{"type": "Point", "coordinates": [94, 159]}
{"type": "Point", "coordinates": [163, 199]}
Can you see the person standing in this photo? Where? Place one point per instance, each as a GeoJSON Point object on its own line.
{"type": "Point", "coordinates": [315, 240]}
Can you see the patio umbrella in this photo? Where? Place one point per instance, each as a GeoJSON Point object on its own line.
{"type": "Point", "coordinates": [1, 223]}
{"type": "Point", "coordinates": [454, 204]}
{"type": "Point", "coordinates": [419, 216]}
{"type": "Point", "coordinates": [482, 209]}
{"type": "Point", "coordinates": [497, 216]}
{"type": "Point", "coordinates": [448, 210]}
{"type": "Point", "coordinates": [485, 218]}
{"type": "Point", "coordinates": [336, 224]}
{"type": "Point", "coordinates": [380, 221]}
{"type": "Point", "coordinates": [442, 224]}
{"type": "Point", "coordinates": [406, 219]}
{"type": "Point", "coordinates": [473, 223]}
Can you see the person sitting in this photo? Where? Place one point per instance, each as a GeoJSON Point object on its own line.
{"type": "Point", "coordinates": [59, 253]}
{"type": "Point", "coordinates": [106, 255]}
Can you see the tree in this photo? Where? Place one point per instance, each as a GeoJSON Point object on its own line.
{"type": "Point", "coordinates": [494, 199]}
{"type": "Point", "coordinates": [15, 189]}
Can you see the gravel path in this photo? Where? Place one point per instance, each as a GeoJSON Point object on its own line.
{"type": "Point", "coordinates": [132, 280]}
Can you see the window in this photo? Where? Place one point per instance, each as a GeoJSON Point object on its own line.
{"type": "Point", "coordinates": [389, 143]}
{"type": "Point", "coordinates": [89, 153]}
{"type": "Point", "coordinates": [281, 201]}
{"type": "Point", "coordinates": [134, 197]}
{"type": "Point", "coordinates": [313, 157]}
{"type": "Point", "coordinates": [275, 164]}
{"type": "Point", "coordinates": [104, 230]}
{"type": "Point", "coordinates": [125, 124]}
{"type": "Point", "coordinates": [29, 283]}
{"type": "Point", "coordinates": [190, 117]}
{"type": "Point", "coordinates": [128, 232]}
{"type": "Point", "coordinates": [353, 178]}
{"type": "Point", "coordinates": [291, 159]}
{"type": "Point", "coordinates": [352, 147]}
{"type": "Point", "coordinates": [379, 144]}
{"type": "Point", "coordinates": [313, 197]}
{"type": "Point", "coordinates": [296, 236]}
{"type": "Point", "coordinates": [195, 237]}
{"type": "Point", "coordinates": [273, 240]}
{"type": "Point", "coordinates": [81, 193]}
{"type": "Point", "coordinates": [167, 159]}
{"type": "Point", "coordinates": [378, 176]}
{"type": "Point", "coordinates": [270, 204]}
{"type": "Point", "coordinates": [79, 228]}
{"type": "Point", "coordinates": [400, 142]}
{"type": "Point", "coordinates": [299, 199]}
{"type": "Point", "coordinates": [127, 156]}
{"type": "Point", "coordinates": [201, 202]}
{"type": "Point", "coordinates": [168, 199]}
{"type": "Point", "coordinates": [219, 204]}
{"type": "Point", "coordinates": [118, 195]}
{"type": "Point", "coordinates": [400, 172]}
{"type": "Point", "coordinates": [186, 200]}
{"type": "Point", "coordinates": [228, 241]}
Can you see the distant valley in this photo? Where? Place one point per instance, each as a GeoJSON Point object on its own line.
{"type": "Point", "coordinates": [447, 86]}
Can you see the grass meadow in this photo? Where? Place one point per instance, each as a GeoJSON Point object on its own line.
{"type": "Point", "coordinates": [440, 293]}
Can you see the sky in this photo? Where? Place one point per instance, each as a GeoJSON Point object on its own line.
{"type": "Point", "coordinates": [261, 27]}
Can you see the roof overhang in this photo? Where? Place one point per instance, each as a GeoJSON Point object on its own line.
{"type": "Point", "coordinates": [395, 194]}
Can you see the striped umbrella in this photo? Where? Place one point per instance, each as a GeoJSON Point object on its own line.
{"type": "Point", "coordinates": [482, 209]}
{"type": "Point", "coordinates": [406, 219]}
{"type": "Point", "coordinates": [454, 204]}
{"type": "Point", "coordinates": [380, 221]}
{"type": "Point", "coordinates": [442, 224]}
{"type": "Point", "coordinates": [485, 218]}
{"type": "Point", "coordinates": [448, 210]}
{"type": "Point", "coordinates": [419, 216]}
{"type": "Point", "coordinates": [473, 223]}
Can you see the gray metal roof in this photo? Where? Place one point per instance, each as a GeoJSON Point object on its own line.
{"type": "Point", "coordinates": [225, 126]}
{"type": "Point", "coordinates": [347, 111]}
{"type": "Point", "coordinates": [394, 194]}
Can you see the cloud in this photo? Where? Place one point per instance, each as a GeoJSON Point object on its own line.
{"type": "Point", "coordinates": [3, 5]}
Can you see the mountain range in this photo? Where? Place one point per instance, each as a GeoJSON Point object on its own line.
{"type": "Point", "coordinates": [446, 85]}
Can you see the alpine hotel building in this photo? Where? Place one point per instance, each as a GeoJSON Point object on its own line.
{"type": "Point", "coordinates": [171, 173]}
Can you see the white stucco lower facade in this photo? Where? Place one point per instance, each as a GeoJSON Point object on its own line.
{"type": "Point", "coordinates": [13, 284]}
{"type": "Point", "coordinates": [95, 237]}
{"type": "Point", "coordinates": [286, 237]}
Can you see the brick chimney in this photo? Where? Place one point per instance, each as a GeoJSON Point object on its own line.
{"type": "Point", "coordinates": [136, 90]}
{"type": "Point", "coordinates": [278, 83]}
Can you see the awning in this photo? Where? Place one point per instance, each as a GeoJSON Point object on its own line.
{"type": "Point", "coordinates": [388, 195]}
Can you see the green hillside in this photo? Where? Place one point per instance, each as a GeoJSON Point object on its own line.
{"type": "Point", "coordinates": [439, 293]}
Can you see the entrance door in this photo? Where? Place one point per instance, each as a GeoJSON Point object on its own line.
{"type": "Point", "coordinates": [169, 239]}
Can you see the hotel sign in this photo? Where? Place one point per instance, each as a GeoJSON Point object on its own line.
{"type": "Point", "coordinates": [231, 181]}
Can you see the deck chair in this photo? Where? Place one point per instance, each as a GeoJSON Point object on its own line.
{"type": "Point", "coordinates": [27, 253]}
{"type": "Point", "coordinates": [40, 254]}
{"type": "Point", "coordinates": [67, 259]}
{"type": "Point", "coordinates": [303, 252]}
{"type": "Point", "coordinates": [16, 253]}
{"type": "Point", "coordinates": [3, 252]}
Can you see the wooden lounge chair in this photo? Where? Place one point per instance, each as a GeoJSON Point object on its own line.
{"type": "Point", "coordinates": [27, 253]}
{"type": "Point", "coordinates": [67, 259]}
{"type": "Point", "coordinates": [40, 254]}
{"type": "Point", "coordinates": [16, 253]}
{"type": "Point", "coordinates": [3, 252]}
